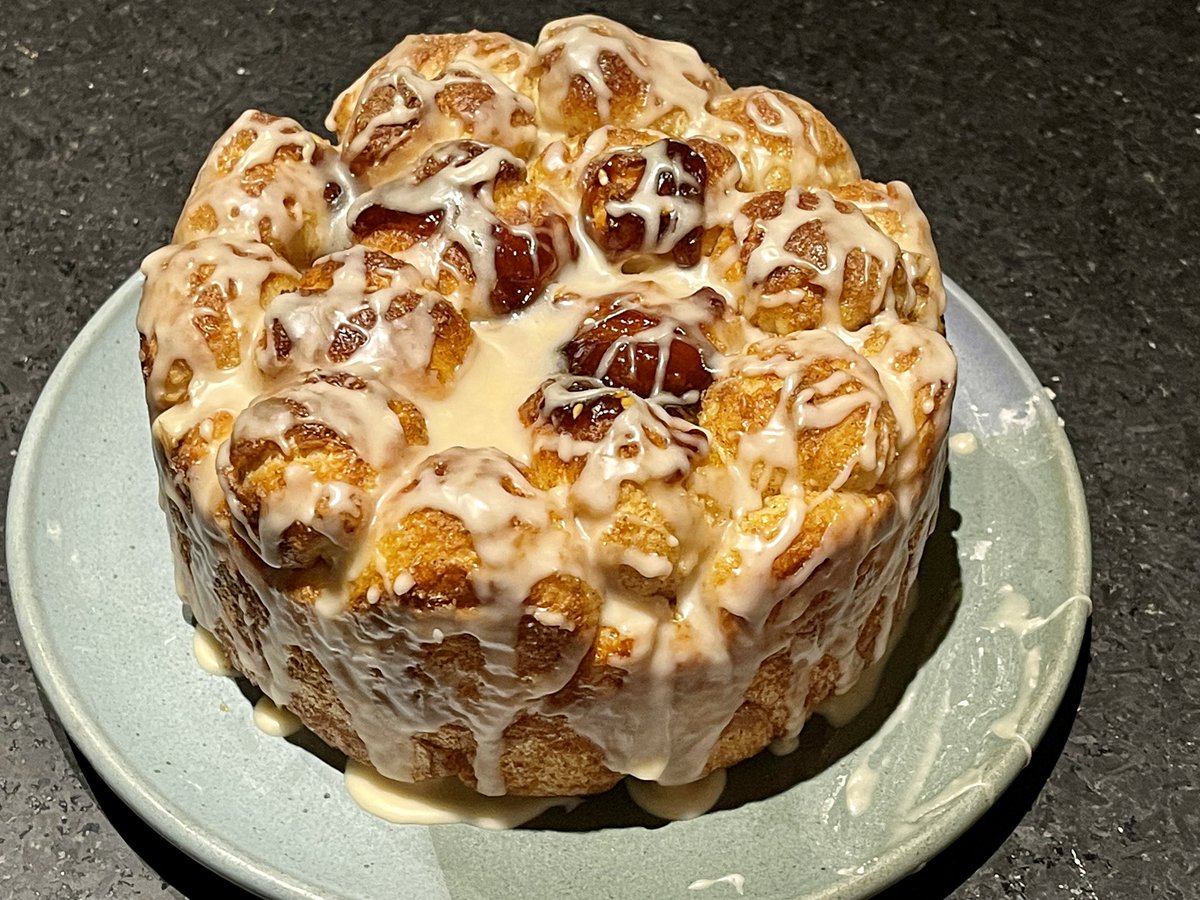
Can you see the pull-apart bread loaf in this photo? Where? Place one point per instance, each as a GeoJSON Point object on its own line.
{"type": "Point", "coordinates": [573, 415]}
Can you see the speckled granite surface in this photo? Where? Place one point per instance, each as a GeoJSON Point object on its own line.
{"type": "Point", "coordinates": [1058, 155]}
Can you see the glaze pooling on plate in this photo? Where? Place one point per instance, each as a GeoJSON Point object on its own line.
{"type": "Point", "coordinates": [574, 416]}
{"type": "Point", "coordinates": [209, 654]}
{"type": "Point", "coordinates": [80, 514]}
{"type": "Point", "coordinates": [442, 801]}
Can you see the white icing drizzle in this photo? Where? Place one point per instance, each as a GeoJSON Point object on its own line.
{"type": "Point", "coordinates": [1006, 726]}
{"type": "Point", "coordinates": [692, 637]}
{"type": "Point", "coordinates": [894, 210]}
{"type": "Point", "coordinates": [643, 443]}
{"type": "Point", "coordinates": [284, 182]}
{"type": "Point", "coordinates": [202, 299]}
{"type": "Point", "coordinates": [442, 801]}
{"type": "Point", "coordinates": [734, 880]}
{"type": "Point", "coordinates": [461, 194]}
{"type": "Point", "coordinates": [359, 416]}
{"type": "Point", "coordinates": [842, 708]}
{"type": "Point", "coordinates": [671, 318]}
{"type": "Point", "coordinates": [482, 410]}
{"type": "Point", "coordinates": [276, 721]}
{"type": "Point", "coordinates": [486, 491]}
{"type": "Point", "coordinates": [741, 482]}
{"type": "Point", "coordinates": [776, 138]}
{"type": "Point", "coordinates": [843, 229]}
{"type": "Point", "coordinates": [513, 531]}
{"type": "Point", "coordinates": [355, 324]}
{"type": "Point", "coordinates": [497, 54]}
{"type": "Point", "coordinates": [963, 444]}
{"type": "Point", "coordinates": [665, 219]}
{"type": "Point", "coordinates": [209, 655]}
{"type": "Point", "coordinates": [916, 367]}
{"type": "Point", "coordinates": [1013, 614]}
{"type": "Point", "coordinates": [496, 120]}
{"type": "Point", "coordinates": [860, 788]}
{"type": "Point", "coordinates": [673, 75]}
{"type": "Point", "coordinates": [843, 232]}
{"type": "Point", "coordinates": [873, 768]}
{"type": "Point", "coordinates": [784, 746]}
{"type": "Point", "coordinates": [677, 802]}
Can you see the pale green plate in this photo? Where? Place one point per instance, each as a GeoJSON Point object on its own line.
{"type": "Point", "coordinates": [92, 586]}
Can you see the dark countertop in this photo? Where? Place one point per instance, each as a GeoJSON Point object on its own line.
{"type": "Point", "coordinates": [1057, 154]}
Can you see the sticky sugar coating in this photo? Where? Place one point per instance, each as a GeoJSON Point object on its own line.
{"type": "Point", "coordinates": [575, 415]}
{"type": "Point", "coordinates": [467, 216]}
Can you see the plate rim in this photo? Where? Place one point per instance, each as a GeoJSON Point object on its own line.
{"type": "Point", "coordinates": [260, 876]}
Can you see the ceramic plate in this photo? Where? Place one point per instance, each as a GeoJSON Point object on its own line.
{"type": "Point", "coordinates": [972, 684]}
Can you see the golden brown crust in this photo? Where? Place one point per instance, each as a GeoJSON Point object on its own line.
{"type": "Point", "coordinates": [316, 703]}
{"type": "Point", "coordinates": [562, 614]}
{"type": "Point", "coordinates": [576, 764]}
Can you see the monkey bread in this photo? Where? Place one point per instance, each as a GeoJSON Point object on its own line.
{"type": "Point", "coordinates": [574, 415]}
